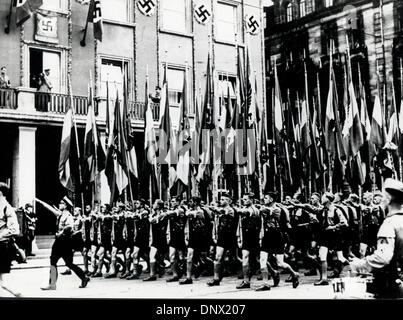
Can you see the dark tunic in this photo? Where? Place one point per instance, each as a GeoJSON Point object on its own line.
{"type": "Point", "coordinates": [176, 230]}
{"type": "Point", "coordinates": [158, 226]}
{"type": "Point", "coordinates": [272, 238]}
{"type": "Point", "coordinates": [142, 239]}
{"type": "Point", "coordinates": [105, 230]}
{"type": "Point", "coordinates": [249, 224]}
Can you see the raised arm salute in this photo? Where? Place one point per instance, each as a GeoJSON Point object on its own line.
{"type": "Point", "coordinates": [63, 245]}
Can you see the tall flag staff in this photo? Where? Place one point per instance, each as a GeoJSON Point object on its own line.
{"type": "Point", "coordinates": [400, 122]}
{"type": "Point", "coordinates": [309, 169]}
{"type": "Point", "coordinates": [320, 128]}
{"type": "Point", "coordinates": [150, 144]}
{"type": "Point", "coordinates": [278, 124]}
{"type": "Point", "coordinates": [236, 118]}
{"type": "Point", "coordinates": [80, 174]}
{"type": "Point", "coordinates": [330, 120]}
{"type": "Point", "coordinates": [130, 152]}
{"type": "Point", "coordinates": [165, 136]}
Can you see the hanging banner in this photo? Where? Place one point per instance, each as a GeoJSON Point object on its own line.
{"type": "Point", "coordinates": [252, 24]}
{"type": "Point", "coordinates": [202, 13]}
{"type": "Point", "coordinates": [46, 28]}
{"type": "Point", "coordinates": [147, 7]}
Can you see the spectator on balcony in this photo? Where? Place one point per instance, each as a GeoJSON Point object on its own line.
{"type": "Point", "coordinates": [156, 98]}
{"type": "Point", "coordinates": [45, 87]}
{"type": "Point", "coordinates": [4, 79]}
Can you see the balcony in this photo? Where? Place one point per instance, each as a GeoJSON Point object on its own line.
{"type": "Point", "coordinates": [28, 105]}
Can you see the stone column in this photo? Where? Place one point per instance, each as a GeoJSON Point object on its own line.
{"type": "Point", "coordinates": [24, 167]}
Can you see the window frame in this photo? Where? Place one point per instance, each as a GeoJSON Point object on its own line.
{"type": "Point", "coordinates": [187, 29]}
{"type": "Point", "coordinates": [237, 29]}
{"type": "Point", "coordinates": [128, 12]}
{"type": "Point", "coordinates": [329, 3]}
{"type": "Point", "coordinates": [289, 12]}
{"type": "Point", "coordinates": [127, 65]}
{"type": "Point", "coordinates": [62, 7]}
{"type": "Point", "coordinates": [302, 4]}
{"type": "Point", "coordinates": [63, 65]}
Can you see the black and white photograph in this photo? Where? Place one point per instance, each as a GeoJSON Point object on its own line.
{"type": "Point", "coordinates": [201, 150]}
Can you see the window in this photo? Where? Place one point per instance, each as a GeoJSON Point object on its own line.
{"type": "Point", "coordinates": [54, 5]}
{"type": "Point", "coordinates": [174, 15]}
{"type": "Point", "coordinates": [116, 10]}
{"type": "Point", "coordinates": [40, 60]}
{"type": "Point", "coordinates": [112, 72]}
{"type": "Point", "coordinates": [226, 82]}
{"type": "Point", "coordinates": [302, 8]}
{"type": "Point", "coordinates": [226, 26]}
{"type": "Point", "coordinates": [328, 3]}
{"type": "Point", "coordinates": [289, 12]}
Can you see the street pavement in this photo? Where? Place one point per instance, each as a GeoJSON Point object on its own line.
{"type": "Point", "coordinates": [28, 278]}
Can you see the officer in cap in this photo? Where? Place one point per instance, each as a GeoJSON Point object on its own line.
{"type": "Point", "coordinates": [8, 228]}
{"type": "Point", "coordinates": [63, 245]}
{"type": "Point", "coordinates": [387, 260]}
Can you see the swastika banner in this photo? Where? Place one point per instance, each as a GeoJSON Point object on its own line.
{"type": "Point", "coordinates": [147, 7]}
{"type": "Point", "coordinates": [252, 24]}
{"type": "Point", "coordinates": [202, 13]}
{"type": "Point", "coordinates": [46, 28]}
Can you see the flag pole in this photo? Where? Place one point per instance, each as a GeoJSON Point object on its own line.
{"type": "Point", "coordinates": [239, 179]}
{"type": "Point", "coordinates": [320, 124]}
{"type": "Point", "coordinates": [258, 149]}
{"type": "Point", "coordinates": [400, 111]}
{"type": "Point", "coordinates": [7, 28]}
{"type": "Point", "coordinates": [309, 173]}
{"type": "Point", "coordinates": [125, 98]}
{"type": "Point", "coordinates": [95, 185]}
{"type": "Point", "coordinates": [82, 42]}
{"type": "Point", "coordinates": [78, 148]}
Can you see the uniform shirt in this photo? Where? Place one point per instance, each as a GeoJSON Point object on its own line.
{"type": "Point", "coordinates": [65, 221]}
{"type": "Point", "coordinates": [390, 245]}
{"type": "Point", "coordinates": [8, 220]}
{"type": "Point", "coordinates": [270, 217]}
{"type": "Point", "coordinates": [333, 216]}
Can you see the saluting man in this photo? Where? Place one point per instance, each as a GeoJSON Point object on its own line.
{"type": "Point", "coordinates": [387, 260]}
{"type": "Point", "coordinates": [63, 246]}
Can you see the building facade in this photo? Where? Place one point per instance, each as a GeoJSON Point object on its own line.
{"type": "Point", "coordinates": [138, 37]}
{"type": "Point", "coordinates": [372, 29]}
{"type": "Point", "coordinates": [301, 34]}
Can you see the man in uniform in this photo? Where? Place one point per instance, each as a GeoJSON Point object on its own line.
{"type": "Point", "coordinates": [141, 245]}
{"type": "Point", "coordinates": [62, 247]}
{"type": "Point", "coordinates": [117, 241]}
{"type": "Point", "coordinates": [272, 242]}
{"type": "Point", "coordinates": [30, 228]}
{"type": "Point", "coordinates": [8, 228]}
{"type": "Point", "coordinates": [223, 234]}
{"type": "Point", "coordinates": [128, 237]}
{"type": "Point", "coordinates": [104, 227]}
{"type": "Point", "coordinates": [331, 220]}
{"type": "Point", "coordinates": [387, 260]}
{"type": "Point", "coordinates": [305, 230]}
{"type": "Point", "coordinates": [86, 235]}
{"type": "Point", "coordinates": [157, 241]}
{"type": "Point", "coordinates": [195, 237]}
{"type": "Point", "coordinates": [248, 236]}
{"type": "Point", "coordinates": [176, 236]}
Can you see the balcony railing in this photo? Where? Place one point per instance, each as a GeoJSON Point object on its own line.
{"type": "Point", "coordinates": [58, 103]}
{"type": "Point", "coordinates": [8, 99]}
{"type": "Point", "coordinates": [28, 100]}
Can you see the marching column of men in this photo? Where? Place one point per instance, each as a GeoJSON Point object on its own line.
{"type": "Point", "coordinates": [250, 238]}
